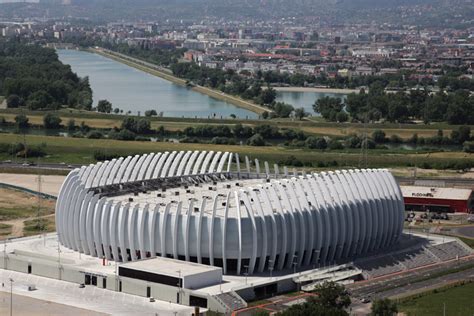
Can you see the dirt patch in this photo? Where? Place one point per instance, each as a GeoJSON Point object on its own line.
{"type": "Point", "coordinates": [16, 199]}
{"type": "Point", "coordinates": [19, 210]}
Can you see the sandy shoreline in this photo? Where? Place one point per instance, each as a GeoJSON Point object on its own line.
{"type": "Point", "coordinates": [318, 90]}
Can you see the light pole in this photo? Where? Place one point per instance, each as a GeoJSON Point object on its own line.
{"type": "Point", "coordinates": [5, 254]}
{"type": "Point", "coordinates": [179, 286]}
{"type": "Point", "coordinates": [116, 277]}
{"type": "Point", "coordinates": [295, 262]}
{"type": "Point", "coordinates": [11, 296]}
{"type": "Point", "coordinates": [246, 273]}
{"type": "Point", "coordinates": [59, 258]}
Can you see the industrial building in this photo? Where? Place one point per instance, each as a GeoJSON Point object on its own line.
{"type": "Point", "coordinates": [438, 199]}
{"type": "Point", "coordinates": [203, 207]}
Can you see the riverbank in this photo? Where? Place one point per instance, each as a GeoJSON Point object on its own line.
{"type": "Point", "coordinates": [156, 71]}
{"type": "Point", "coordinates": [317, 90]}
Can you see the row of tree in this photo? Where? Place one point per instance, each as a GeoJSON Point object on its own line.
{"type": "Point", "coordinates": [455, 108]}
{"type": "Point", "coordinates": [259, 135]}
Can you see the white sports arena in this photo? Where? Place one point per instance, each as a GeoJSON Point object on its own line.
{"type": "Point", "coordinates": [216, 209]}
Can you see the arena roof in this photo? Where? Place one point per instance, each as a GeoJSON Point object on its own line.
{"type": "Point", "coordinates": [225, 210]}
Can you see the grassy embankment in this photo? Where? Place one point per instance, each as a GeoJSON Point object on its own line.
{"type": "Point", "coordinates": [456, 298]}
{"type": "Point", "coordinates": [81, 150]}
{"type": "Point", "coordinates": [317, 127]}
{"type": "Point", "coordinates": [204, 90]}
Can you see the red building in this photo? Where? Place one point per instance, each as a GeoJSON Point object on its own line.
{"type": "Point", "coordinates": [447, 200]}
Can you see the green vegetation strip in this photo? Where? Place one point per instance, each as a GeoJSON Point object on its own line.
{"type": "Point", "coordinates": [456, 299]}
{"type": "Point", "coordinates": [467, 241]}
{"type": "Point", "coordinates": [81, 151]}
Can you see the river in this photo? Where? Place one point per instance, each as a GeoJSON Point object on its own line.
{"type": "Point", "coordinates": [133, 90]}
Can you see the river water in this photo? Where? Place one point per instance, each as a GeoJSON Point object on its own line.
{"type": "Point", "coordinates": [133, 90]}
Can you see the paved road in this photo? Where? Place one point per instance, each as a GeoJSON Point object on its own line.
{"type": "Point", "coordinates": [371, 288]}
{"type": "Point", "coordinates": [21, 165]}
{"type": "Point", "coordinates": [427, 284]}
{"type": "Point", "coordinates": [466, 231]}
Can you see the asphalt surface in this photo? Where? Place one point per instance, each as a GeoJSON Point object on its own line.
{"type": "Point", "coordinates": [466, 231]}
{"type": "Point", "coordinates": [373, 288]}
{"type": "Point", "coordinates": [65, 166]}
{"type": "Point", "coordinates": [59, 166]}
{"type": "Point", "coordinates": [427, 284]}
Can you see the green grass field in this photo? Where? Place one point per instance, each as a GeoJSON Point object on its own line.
{"type": "Point", "coordinates": [467, 241]}
{"type": "Point", "coordinates": [81, 150]}
{"type": "Point", "coordinates": [317, 127]}
{"type": "Point", "coordinates": [459, 302]}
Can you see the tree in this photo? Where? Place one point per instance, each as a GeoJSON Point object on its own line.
{"type": "Point", "coordinates": [282, 109]}
{"type": "Point", "coordinates": [71, 125]}
{"type": "Point", "coordinates": [379, 136]}
{"type": "Point", "coordinates": [51, 121]}
{"type": "Point", "coordinates": [328, 107]}
{"type": "Point", "coordinates": [332, 299]}
{"type": "Point", "coordinates": [342, 117]}
{"type": "Point", "coordinates": [123, 134]}
{"type": "Point", "coordinates": [95, 135]}
{"type": "Point", "coordinates": [13, 101]}
{"type": "Point", "coordinates": [268, 95]}
{"type": "Point", "coordinates": [356, 104]}
{"type": "Point", "coordinates": [468, 147]}
{"type": "Point", "coordinates": [150, 113]}
{"type": "Point", "coordinates": [461, 135]}
{"type": "Point", "coordinates": [39, 100]}
{"type": "Point", "coordinates": [256, 140]}
{"type": "Point", "coordinates": [332, 294]}
{"type": "Point", "coordinates": [104, 106]}
{"type": "Point", "coordinates": [136, 125]}
{"type": "Point", "coordinates": [316, 143]}
{"type": "Point", "coordinates": [383, 307]}
{"type": "Point", "coordinates": [300, 113]}
{"type": "Point", "coordinates": [22, 121]}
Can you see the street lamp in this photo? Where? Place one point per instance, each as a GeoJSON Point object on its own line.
{"type": "Point", "coordinates": [246, 273]}
{"type": "Point", "coordinates": [11, 296]}
{"type": "Point", "coordinates": [295, 262]}
{"type": "Point", "coordinates": [179, 286]}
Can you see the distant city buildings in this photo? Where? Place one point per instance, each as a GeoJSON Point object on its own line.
{"type": "Point", "coordinates": [282, 47]}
